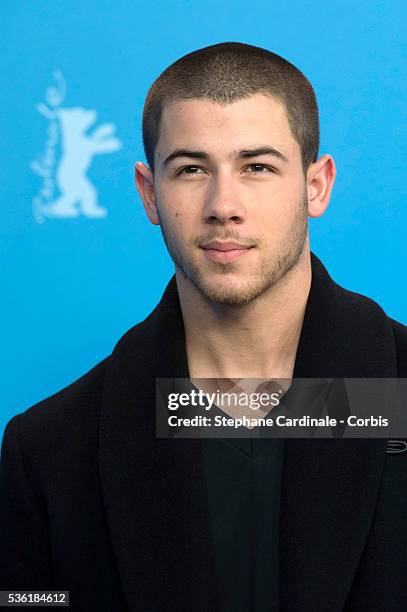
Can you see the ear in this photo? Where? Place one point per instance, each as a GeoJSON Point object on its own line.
{"type": "Point", "coordinates": [320, 179]}
{"type": "Point", "coordinates": [145, 186]}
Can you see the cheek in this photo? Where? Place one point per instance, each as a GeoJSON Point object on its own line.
{"type": "Point", "coordinates": [176, 221]}
{"type": "Point", "coordinates": [276, 217]}
{"type": "Point", "coordinates": [180, 215]}
{"type": "Point", "coordinates": [280, 192]}
{"type": "Point", "coordinates": [288, 193]}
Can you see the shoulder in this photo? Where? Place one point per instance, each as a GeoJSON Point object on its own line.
{"type": "Point", "coordinates": [366, 312]}
{"type": "Point", "coordinates": [370, 312]}
{"type": "Point", "coordinates": [70, 402]}
{"type": "Point", "coordinates": [400, 337]}
{"type": "Point", "coordinates": [44, 432]}
{"type": "Point", "coordinates": [58, 437]}
{"type": "Point", "coordinates": [82, 397]}
{"type": "Point", "coordinates": [54, 437]}
{"type": "Point", "coordinates": [400, 331]}
{"type": "Point", "coordinates": [68, 418]}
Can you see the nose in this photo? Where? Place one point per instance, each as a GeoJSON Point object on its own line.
{"type": "Point", "coordinates": [223, 202]}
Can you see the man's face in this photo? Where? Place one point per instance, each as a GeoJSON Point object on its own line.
{"type": "Point", "coordinates": [234, 220]}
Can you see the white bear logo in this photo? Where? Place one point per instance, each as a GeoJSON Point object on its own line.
{"type": "Point", "coordinates": [69, 127]}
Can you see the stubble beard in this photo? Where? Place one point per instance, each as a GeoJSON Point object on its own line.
{"type": "Point", "coordinates": [217, 289]}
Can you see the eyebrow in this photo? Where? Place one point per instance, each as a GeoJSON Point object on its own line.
{"type": "Point", "coordinates": [244, 154]}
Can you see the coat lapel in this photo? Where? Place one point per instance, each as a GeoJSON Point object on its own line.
{"type": "Point", "coordinates": [154, 490]}
{"type": "Point", "coordinates": [330, 486]}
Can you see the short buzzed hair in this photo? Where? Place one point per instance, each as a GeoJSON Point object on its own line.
{"type": "Point", "coordinates": [225, 73]}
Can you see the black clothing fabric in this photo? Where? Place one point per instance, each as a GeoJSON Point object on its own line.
{"type": "Point", "coordinates": [91, 501]}
{"type": "Point", "coordinates": [243, 478]}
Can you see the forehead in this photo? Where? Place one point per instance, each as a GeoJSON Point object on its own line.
{"type": "Point", "coordinates": [198, 123]}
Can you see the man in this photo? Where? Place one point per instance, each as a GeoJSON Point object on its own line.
{"type": "Point", "coordinates": [94, 503]}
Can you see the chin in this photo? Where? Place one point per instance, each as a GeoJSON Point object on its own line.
{"type": "Point", "coordinates": [229, 293]}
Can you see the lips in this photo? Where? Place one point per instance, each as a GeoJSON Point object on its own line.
{"type": "Point", "coordinates": [224, 252]}
{"type": "Point", "coordinates": [224, 246]}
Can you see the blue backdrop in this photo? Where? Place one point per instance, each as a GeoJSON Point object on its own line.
{"type": "Point", "coordinates": [74, 78]}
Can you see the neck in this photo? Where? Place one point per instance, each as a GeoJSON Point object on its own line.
{"type": "Point", "coordinates": [257, 340]}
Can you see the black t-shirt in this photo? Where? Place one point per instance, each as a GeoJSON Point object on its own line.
{"type": "Point", "coordinates": [243, 478]}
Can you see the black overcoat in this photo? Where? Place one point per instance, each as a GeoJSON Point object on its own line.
{"type": "Point", "coordinates": [92, 502]}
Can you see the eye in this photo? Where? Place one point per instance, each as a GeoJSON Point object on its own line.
{"type": "Point", "coordinates": [260, 168]}
{"type": "Point", "coordinates": [188, 170]}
